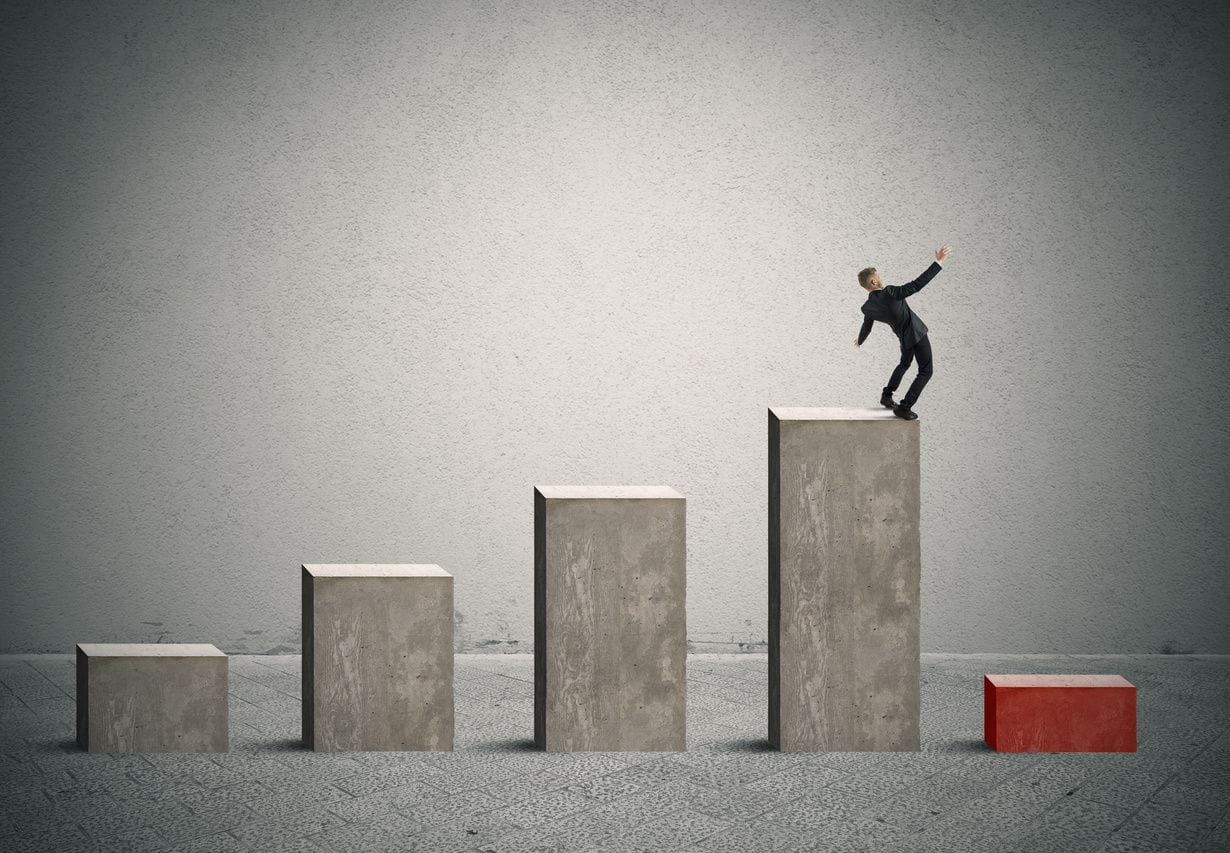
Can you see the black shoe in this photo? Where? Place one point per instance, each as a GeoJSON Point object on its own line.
{"type": "Point", "coordinates": [901, 410]}
{"type": "Point", "coordinates": [886, 400]}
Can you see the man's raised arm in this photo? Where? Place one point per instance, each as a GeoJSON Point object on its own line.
{"type": "Point", "coordinates": [901, 291]}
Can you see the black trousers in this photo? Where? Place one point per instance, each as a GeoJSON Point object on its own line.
{"type": "Point", "coordinates": [922, 352]}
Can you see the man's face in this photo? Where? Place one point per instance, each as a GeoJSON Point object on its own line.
{"type": "Point", "coordinates": [873, 282]}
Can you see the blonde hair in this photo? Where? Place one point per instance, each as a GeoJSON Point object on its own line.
{"type": "Point", "coordinates": [864, 276]}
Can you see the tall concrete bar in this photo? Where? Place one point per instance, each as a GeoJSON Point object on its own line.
{"type": "Point", "coordinates": [152, 697]}
{"type": "Point", "coordinates": [377, 657]}
{"type": "Point", "coordinates": [844, 566]}
{"type": "Point", "coordinates": [610, 627]}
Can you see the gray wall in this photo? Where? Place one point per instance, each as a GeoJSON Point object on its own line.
{"type": "Point", "coordinates": [284, 282]}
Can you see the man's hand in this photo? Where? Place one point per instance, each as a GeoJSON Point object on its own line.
{"type": "Point", "coordinates": [942, 253]}
{"type": "Point", "coordinates": [856, 343]}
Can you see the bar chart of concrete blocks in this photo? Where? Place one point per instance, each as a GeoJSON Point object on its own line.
{"type": "Point", "coordinates": [610, 628]}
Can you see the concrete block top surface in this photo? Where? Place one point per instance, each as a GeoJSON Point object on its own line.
{"type": "Point", "coordinates": [607, 492]}
{"type": "Point", "coordinates": [375, 570]}
{"type": "Point", "coordinates": [803, 413]}
{"type": "Point", "coordinates": [1059, 681]}
{"type": "Point", "coordinates": [147, 650]}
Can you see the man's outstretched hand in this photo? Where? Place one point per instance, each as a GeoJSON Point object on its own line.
{"type": "Point", "coordinates": [942, 253]}
{"type": "Point", "coordinates": [856, 343]}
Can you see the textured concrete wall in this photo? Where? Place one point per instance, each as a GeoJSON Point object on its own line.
{"type": "Point", "coordinates": [284, 282]}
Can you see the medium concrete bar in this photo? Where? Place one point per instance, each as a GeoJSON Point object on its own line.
{"type": "Point", "coordinates": [151, 697]}
{"type": "Point", "coordinates": [610, 626]}
{"type": "Point", "coordinates": [844, 566]}
{"type": "Point", "coordinates": [377, 658]}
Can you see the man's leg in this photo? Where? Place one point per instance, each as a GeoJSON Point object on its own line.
{"type": "Point", "coordinates": [922, 351]}
{"type": "Point", "coordinates": [894, 381]}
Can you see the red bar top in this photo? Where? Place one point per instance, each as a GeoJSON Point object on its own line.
{"type": "Point", "coordinates": [1059, 681]}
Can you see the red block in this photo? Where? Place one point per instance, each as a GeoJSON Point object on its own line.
{"type": "Point", "coordinates": [1059, 713]}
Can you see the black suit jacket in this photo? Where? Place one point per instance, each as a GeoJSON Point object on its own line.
{"type": "Point", "coordinates": [888, 305]}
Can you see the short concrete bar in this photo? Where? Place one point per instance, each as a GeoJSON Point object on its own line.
{"type": "Point", "coordinates": [377, 658]}
{"type": "Point", "coordinates": [151, 697]}
{"type": "Point", "coordinates": [844, 565]}
{"type": "Point", "coordinates": [610, 626]}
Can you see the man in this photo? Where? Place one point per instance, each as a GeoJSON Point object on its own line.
{"type": "Point", "coordinates": [887, 304]}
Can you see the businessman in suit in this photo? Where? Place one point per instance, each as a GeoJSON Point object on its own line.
{"type": "Point", "coordinates": [887, 304]}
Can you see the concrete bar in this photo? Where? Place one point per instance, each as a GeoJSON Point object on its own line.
{"type": "Point", "coordinates": [844, 565]}
{"type": "Point", "coordinates": [610, 627]}
{"type": "Point", "coordinates": [151, 697]}
{"type": "Point", "coordinates": [377, 657]}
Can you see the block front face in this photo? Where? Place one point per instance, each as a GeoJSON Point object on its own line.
{"type": "Point", "coordinates": [610, 623]}
{"type": "Point", "coordinates": [1059, 714]}
{"type": "Point", "coordinates": [844, 569]}
{"type": "Point", "coordinates": [378, 660]}
{"type": "Point", "coordinates": [156, 702]}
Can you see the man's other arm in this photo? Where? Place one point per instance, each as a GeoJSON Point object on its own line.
{"type": "Point", "coordinates": [864, 332]}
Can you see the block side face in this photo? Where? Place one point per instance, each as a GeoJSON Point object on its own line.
{"type": "Point", "coordinates": [83, 699]}
{"type": "Point", "coordinates": [988, 712]}
{"type": "Point", "coordinates": [614, 616]}
{"type": "Point", "coordinates": [849, 569]}
{"type": "Point", "coordinates": [382, 671]}
{"type": "Point", "coordinates": [1066, 719]}
{"type": "Point", "coordinates": [158, 704]}
{"type": "Point", "coordinates": [774, 725]}
{"type": "Point", "coordinates": [540, 619]}
{"type": "Point", "coordinates": [307, 662]}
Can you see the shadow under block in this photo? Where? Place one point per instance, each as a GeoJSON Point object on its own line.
{"type": "Point", "coordinates": [610, 629]}
{"type": "Point", "coordinates": [377, 658]}
{"type": "Point", "coordinates": [1059, 713]}
{"type": "Point", "coordinates": [151, 697]}
{"type": "Point", "coordinates": [844, 566]}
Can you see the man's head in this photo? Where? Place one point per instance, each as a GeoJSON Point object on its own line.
{"type": "Point", "coordinates": [869, 279]}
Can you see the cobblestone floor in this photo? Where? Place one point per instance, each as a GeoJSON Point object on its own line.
{"type": "Point", "coordinates": [728, 791]}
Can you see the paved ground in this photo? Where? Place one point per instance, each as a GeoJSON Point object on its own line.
{"type": "Point", "coordinates": [729, 791]}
